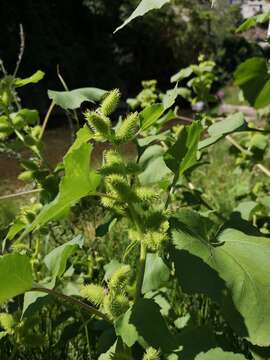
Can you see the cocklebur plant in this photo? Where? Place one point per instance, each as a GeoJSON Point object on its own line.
{"type": "Point", "coordinates": [164, 238]}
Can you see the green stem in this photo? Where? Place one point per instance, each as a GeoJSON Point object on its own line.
{"type": "Point", "coordinates": [88, 308]}
{"type": "Point", "coordinates": [23, 193]}
{"type": "Point", "coordinates": [46, 119]}
{"type": "Point", "coordinates": [141, 270]}
{"type": "Point", "coordinates": [87, 340]}
{"type": "Point", "coordinates": [170, 191]}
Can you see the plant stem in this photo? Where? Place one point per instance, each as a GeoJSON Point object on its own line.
{"type": "Point", "coordinates": [140, 276]}
{"type": "Point", "coordinates": [237, 145]}
{"type": "Point", "coordinates": [87, 340]}
{"type": "Point", "coordinates": [9, 196]}
{"type": "Point", "coordinates": [263, 169]}
{"type": "Point", "coordinates": [46, 119]}
{"type": "Point", "coordinates": [88, 308]}
{"type": "Point", "coordinates": [247, 152]}
{"type": "Point", "coordinates": [170, 191]}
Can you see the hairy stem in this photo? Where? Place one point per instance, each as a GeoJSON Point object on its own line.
{"type": "Point", "coordinates": [88, 308]}
{"type": "Point", "coordinates": [141, 270]}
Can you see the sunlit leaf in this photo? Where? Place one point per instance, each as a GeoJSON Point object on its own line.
{"type": "Point", "coordinates": [56, 260]}
{"type": "Point", "coordinates": [74, 98]}
{"type": "Point", "coordinates": [234, 271]}
{"type": "Point", "coordinates": [36, 77]}
{"type": "Point", "coordinates": [15, 276]}
{"type": "Point", "coordinates": [219, 354]}
{"type": "Point", "coordinates": [143, 7]}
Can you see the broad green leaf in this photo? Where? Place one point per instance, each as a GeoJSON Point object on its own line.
{"type": "Point", "coordinates": [219, 354]}
{"type": "Point", "coordinates": [126, 330]}
{"type": "Point", "coordinates": [218, 130]}
{"type": "Point", "coordinates": [156, 273]}
{"type": "Point", "coordinates": [230, 124]}
{"type": "Point", "coordinates": [182, 74]}
{"type": "Point", "coordinates": [15, 276]}
{"type": "Point", "coordinates": [192, 340]}
{"type": "Point", "coordinates": [144, 7]}
{"type": "Point", "coordinates": [232, 268]}
{"type": "Point", "coordinates": [28, 116]}
{"type": "Point", "coordinates": [154, 331]}
{"type": "Point", "coordinates": [34, 300]}
{"type": "Point", "coordinates": [117, 351]}
{"type": "Point", "coordinates": [74, 98]}
{"type": "Point", "coordinates": [79, 180]}
{"type": "Point", "coordinates": [247, 209]}
{"type": "Point", "coordinates": [56, 260]}
{"type": "Point", "coordinates": [263, 98]}
{"type": "Point", "coordinates": [155, 169]}
{"type": "Point", "coordinates": [36, 77]}
{"type": "Point", "coordinates": [170, 97]}
{"type": "Point", "coordinates": [183, 154]}
{"type": "Point", "coordinates": [150, 115]}
{"type": "Point", "coordinates": [145, 141]}
{"type": "Point", "coordinates": [253, 78]}
{"type": "Point", "coordinates": [15, 228]}
{"type": "Point", "coordinates": [253, 21]}
{"type": "Point", "coordinates": [83, 135]}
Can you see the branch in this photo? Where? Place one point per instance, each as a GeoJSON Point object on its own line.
{"type": "Point", "coordinates": [88, 308]}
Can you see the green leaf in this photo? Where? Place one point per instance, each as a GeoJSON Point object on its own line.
{"type": "Point", "coordinates": [183, 154]}
{"type": "Point", "coordinates": [220, 129]}
{"type": "Point", "coordinates": [79, 180]}
{"type": "Point", "coordinates": [36, 77]}
{"type": "Point", "coordinates": [194, 339]}
{"type": "Point", "coordinates": [15, 276]}
{"type": "Point", "coordinates": [154, 331]}
{"type": "Point", "coordinates": [219, 354]}
{"type": "Point", "coordinates": [143, 7]}
{"type": "Point", "coordinates": [155, 169]}
{"type": "Point", "coordinates": [126, 330]}
{"type": "Point", "coordinates": [253, 78]}
{"type": "Point", "coordinates": [29, 116]}
{"type": "Point", "coordinates": [171, 95]}
{"type": "Point", "coordinates": [156, 273]}
{"type": "Point", "coordinates": [74, 98]}
{"type": "Point", "coordinates": [34, 300]}
{"type": "Point", "coordinates": [232, 268]}
{"type": "Point", "coordinates": [56, 260]}
{"type": "Point", "coordinates": [247, 209]}
{"type": "Point", "coordinates": [253, 21]}
{"type": "Point", "coordinates": [150, 115]}
{"type": "Point", "coordinates": [182, 74]}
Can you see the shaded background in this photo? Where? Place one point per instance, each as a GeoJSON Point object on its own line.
{"type": "Point", "coordinates": [78, 35]}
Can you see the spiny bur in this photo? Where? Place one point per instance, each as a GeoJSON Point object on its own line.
{"type": "Point", "coordinates": [94, 293]}
{"type": "Point", "coordinates": [110, 102]}
{"type": "Point", "coordinates": [117, 305]}
{"type": "Point", "coordinates": [147, 194]}
{"type": "Point", "coordinates": [118, 184]}
{"type": "Point", "coordinates": [119, 278]}
{"type": "Point", "coordinates": [151, 354]}
{"type": "Point", "coordinates": [127, 129]}
{"type": "Point", "coordinates": [99, 124]}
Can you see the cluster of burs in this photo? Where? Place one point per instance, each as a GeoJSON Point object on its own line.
{"type": "Point", "coordinates": [123, 193]}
